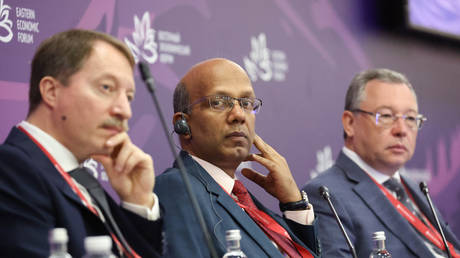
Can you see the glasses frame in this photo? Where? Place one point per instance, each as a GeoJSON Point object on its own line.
{"type": "Point", "coordinates": [419, 118]}
{"type": "Point", "coordinates": [230, 106]}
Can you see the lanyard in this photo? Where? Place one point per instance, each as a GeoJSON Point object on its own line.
{"type": "Point", "coordinates": [61, 171]}
{"type": "Point", "coordinates": [75, 188]}
{"type": "Point", "coordinates": [428, 231]}
{"type": "Point", "coordinates": [267, 221]}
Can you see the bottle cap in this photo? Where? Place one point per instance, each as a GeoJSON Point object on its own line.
{"type": "Point", "coordinates": [98, 244]}
{"type": "Point", "coordinates": [58, 235]}
{"type": "Point", "coordinates": [378, 235]}
{"type": "Point", "coordinates": [233, 234]}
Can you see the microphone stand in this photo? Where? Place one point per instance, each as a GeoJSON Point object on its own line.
{"type": "Point", "coordinates": [324, 192]}
{"type": "Point", "coordinates": [425, 191]}
{"type": "Point", "coordinates": [148, 80]}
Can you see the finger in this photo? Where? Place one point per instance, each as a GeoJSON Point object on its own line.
{"type": "Point", "coordinates": [135, 160]}
{"type": "Point", "coordinates": [120, 158]}
{"type": "Point", "coordinates": [259, 143]}
{"type": "Point", "coordinates": [116, 139]}
{"type": "Point", "coordinates": [268, 164]}
{"type": "Point", "coordinates": [263, 147]}
{"type": "Point", "coordinates": [254, 176]}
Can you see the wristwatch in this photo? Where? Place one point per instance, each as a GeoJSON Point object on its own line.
{"type": "Point", "coordinates": [296, 206]}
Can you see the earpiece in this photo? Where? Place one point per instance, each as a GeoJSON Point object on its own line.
{"type": "Point", "coordinates": [181, 127]}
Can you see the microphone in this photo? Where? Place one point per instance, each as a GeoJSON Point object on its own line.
{"type": "Point", "coordinates": [424, 189]}
{"type": "Point", "coordinates": [324, 192]}
{"type": "Point", "coordinates": [148, 80]}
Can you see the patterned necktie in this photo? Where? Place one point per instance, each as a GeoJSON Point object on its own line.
{"type": "Point", "coordinates": [395, 186]}
{"type": "Point", "coordinates": [245, 199]}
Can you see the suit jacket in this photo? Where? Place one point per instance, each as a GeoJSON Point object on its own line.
{"type": "Point", "coordinates": [184, 238]}
{"type": "Point", "coordinates": [363, 209]}
{"type": "Point", "coordinates": [34, 198]}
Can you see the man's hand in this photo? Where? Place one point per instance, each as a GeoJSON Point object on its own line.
{"type": "Point", "coordinates": [130, 170]}
{"type": "Point", "coordinates": [279, 181]}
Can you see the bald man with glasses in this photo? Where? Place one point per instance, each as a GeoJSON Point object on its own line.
{"type": "Point", "coordinates": [215, 108]}
{"type": "Point", "coordinates": [380, 121]}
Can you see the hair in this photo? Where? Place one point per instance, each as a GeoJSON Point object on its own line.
{"type": "Point", "coordinates": [181, 98]}
{"type": "Point", "coordinates": [64, 54]}
{"type": "Point", "coordinates": [356, 89]}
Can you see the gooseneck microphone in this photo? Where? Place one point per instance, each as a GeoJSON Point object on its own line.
{"type": "Point", "coordinates": [148, 80]}
{"type": "Point", "coordinates": [425, 191]}
{"type": "Point", "coordinates": [324, 192]}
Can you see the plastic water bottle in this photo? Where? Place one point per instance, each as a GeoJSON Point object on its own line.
{"type": "Point", "coordinates": [233, 238]}
{"type": "Point", "coordinates": [98, 247]}
{"type": "Point", "coordinates": [58, 239]}
{"type": "Point", "coordinates": [379, 250]}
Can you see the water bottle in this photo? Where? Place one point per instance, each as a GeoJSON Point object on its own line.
{"type": "Point", "coordinates": [98, 247]}
{"type": "Point", "coordinates": [233, 238]}
{"type": "Point", "coordinates": [58, 239]}
{"type": "Point", "coordinates": [379, 250]}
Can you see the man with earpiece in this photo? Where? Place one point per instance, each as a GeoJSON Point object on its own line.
{"type": "Point", "coordinates": [214, 115]}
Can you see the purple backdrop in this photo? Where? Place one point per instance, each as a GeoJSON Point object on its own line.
{"type": "Point", "coordinates": [299, 54]}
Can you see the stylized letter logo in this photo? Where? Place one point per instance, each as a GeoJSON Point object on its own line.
{"type": "Point", "coordinates": [258, 64]}
{"type": "Point", "coordinates": [5, 23]}
{"type": "Point", "coordinates": [144, 40]}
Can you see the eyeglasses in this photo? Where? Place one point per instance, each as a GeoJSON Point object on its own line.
{"type": "Point", "coordinates": [226, 103]}
{"type": "Point", "coordinates": [414, 122]}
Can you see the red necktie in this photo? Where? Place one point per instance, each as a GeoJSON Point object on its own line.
{"type": "Point", "coordinates": [283, 242]}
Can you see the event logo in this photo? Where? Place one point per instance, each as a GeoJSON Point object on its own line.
{"type": "Point", "coordinates": [5, 23]}
{"type": "Point", "coordinates": [26, 24]}
{"type": "Point", "coordinates": [144, 40]}
{"type": "Point", "coordinates": [147, 48]}
{"type": "Point", "coordinates": [324, 161]}
{"type": "Point", "coordinates": [265, 63]}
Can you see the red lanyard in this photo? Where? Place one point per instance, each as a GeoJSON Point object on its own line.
{"type": "Point", "coordinates": [75, 188]}
{"type": "Point", "coordinates": [270, 223]}
{"type": "Point", "coordinates": [61, 171]}
{"type": "Point", "coordinates": [428, 231]}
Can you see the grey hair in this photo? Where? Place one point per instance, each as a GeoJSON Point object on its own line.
{"type": "Point", "coordinates": [356, 90]}
{"type": "Point", "coordinates": [181, 98]}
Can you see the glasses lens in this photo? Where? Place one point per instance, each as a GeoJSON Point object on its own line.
{"type": "Point", "coordinates": [411, 121]}
{"type": "Point", "coordinates": [384, 119]}
{"type": "Point", "coordinates": [218, 102]}
{"type": "Point", "coordinates": [223, 103]}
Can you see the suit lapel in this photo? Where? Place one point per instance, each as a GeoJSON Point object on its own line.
{"type": "Point", "coordinates": [23, 142]}
{"type": "Point", "coordinates": [376, 201]}
{"type": "Point", "coordinates": [226, 202]}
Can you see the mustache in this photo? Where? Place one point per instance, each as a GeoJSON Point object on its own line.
{"type": "Point", "coordinates": [114, 122]}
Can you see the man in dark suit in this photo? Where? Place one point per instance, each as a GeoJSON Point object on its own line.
{"type": "Point", "coordinates": [380, 121]}
{"type": "Point", "coordinates": [80, 91]}
{"type": "Point", "coordinates": [215, 107]}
